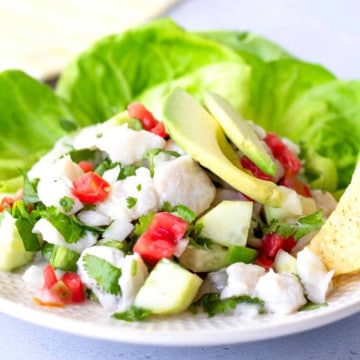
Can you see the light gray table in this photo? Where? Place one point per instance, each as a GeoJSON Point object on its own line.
{"type": "Point", "coordinates": [320, 31]}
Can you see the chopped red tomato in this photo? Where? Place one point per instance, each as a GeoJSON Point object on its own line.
{"type": "Point", "coordinates": [160, 239]}
{"type": "Point", "coordinates": [86, 166]}
{"type": "Point", "coordinates": [272, 243]}
{"type": "Point", "coordinates": [59, 292]}
{"type": "Point", "coordinates": [256, 171]}
{"type": "Point", "coordinates": [139, 111]}
{"type": "Point", "coordinates": [281, 152]}
{"type": "Point", "coordinates": [8, 201]}
{"type": "Point", "coordinates": [264, 261]}
{"type": "Point", "coordinates": [90, 188]}
{"type": "Point", "coordinates": [50, 278]}
{"type": "Point", "coordinates": [73, 282]}
{"type": "Point", "coordinates": [293, 182]}
{"type": "Point", "coordinates": [159, 129]}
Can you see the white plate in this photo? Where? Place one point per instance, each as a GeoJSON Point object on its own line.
{"type": "Point", "coordinates": [182, 330]}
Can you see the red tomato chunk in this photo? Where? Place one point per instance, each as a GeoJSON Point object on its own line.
{"type": "Point", "coordinates": [255, 170]}
{"type": "Point", "coordinates": [281, 152]}
{"type": "Point", "coordinates": [90, 188]}
{"type": "Point", "coordinates": [161, 238]}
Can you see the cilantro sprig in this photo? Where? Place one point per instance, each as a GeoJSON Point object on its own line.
{"type": "Point", "coordinates": [106, 275]}
{"type": "Point", "coordinates": [298, 229]}
{"type": "Point", "coordinates": [213, 305]}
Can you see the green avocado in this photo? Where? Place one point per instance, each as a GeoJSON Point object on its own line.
{"type": "Point", "coordinates": [240, 132]}
{"type": "Point", "coordinates": [200, 135]}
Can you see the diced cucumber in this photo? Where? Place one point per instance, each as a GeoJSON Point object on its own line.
{"type": "Point", "coordinates": [204, 260]}
{"type": "Point", "coordinates": [64, 258]}
{"type": "Point", "coordinates": [293, 207]}
{"type": "Point", "coordinates": [241, 254]}
{"type": "Point", "coordinates": [12, 251]}
{"type": "Point", "coordinates": [285, 262]}
{"type": "Point", "coordinates": [169, 289]}
{"type": "Point", "coordinates": [228, 223]}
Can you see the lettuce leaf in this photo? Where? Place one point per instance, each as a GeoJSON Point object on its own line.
{"type": "Point", "coordinates": [31, 118]}
{"type": "Point", "coordinates": [245, 42]}
{"type": "Point", "coordinates": [327, 119]}
{"type": "Point", "coordinates": [118, 68]}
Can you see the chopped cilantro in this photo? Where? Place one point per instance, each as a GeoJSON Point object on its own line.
{"type": "Point", "coordinates": [311, 306]}
{"type": "Point", "coordinates": [184, 212]}
{"type": "Point", "coordinates": [138, 187]}
{"type": "Point", "coordinates": [213, 305]}
{"type": "Point", "coordinates": [149, 155]}
{"type": "Point", "coordinates": [68, 226]}
{"type": "Point", "coordinates": [131, 202]}
{"type": "Point", "coordinates": [30, 195]}
{"type": "Point", "coordinates": [67, 125]}
{"type": "Point", "coordinates": [67, 203]}
{"type": "Point", "coordinates": [125, 171]}
{"type": "Point", "coordinates": [143, 223]}
{"type": "Point", "coordinates": [300, 228]}
{"type": "Point", "coordinates": [105, 274]}
{"type": "Point", "coordinates": [133, 314]}
{"type": "Point", "coordinates": [24, 226]}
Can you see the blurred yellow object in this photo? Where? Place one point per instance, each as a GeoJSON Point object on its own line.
{"type": "Point", "coordinates": [338, 241]}
{"type": "Point", "coordinates": [40, 36]}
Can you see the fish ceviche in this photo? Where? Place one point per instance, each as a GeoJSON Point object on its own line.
{"type": "Point", "coordinates": [150, 219]}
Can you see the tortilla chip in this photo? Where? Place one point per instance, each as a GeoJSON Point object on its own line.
{"type": "Point", "coordinates": [338, 241]}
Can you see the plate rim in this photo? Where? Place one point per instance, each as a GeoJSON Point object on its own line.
{"type": "Point", "coordinates": [53, 318]}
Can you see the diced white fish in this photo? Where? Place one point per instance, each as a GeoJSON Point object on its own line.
{"type": "Point", "coordinates": [282, 293]}
{"type": "Point", "coordinates": [242, 279]}
{"type": "Point", "coordinates": [182, 181]}
{"type": "Point", "coordinates": [51, 235]}
{"type": "Point", "coordinates": [111, 175]}
{"type": "Point", "coordinates": [33, 276]}
{"type": "Point", "coordinates": [111, 255]}
{"type": "Point", "coordinates": [172, 146]}
{"type": "Point", "coordinates": [325, 201]}
{"type": "Point", "coordinates": [317, 281]}
{"type": "Point", "coordinates": [44, 166]}
{"type": "Point", "coordinates": [93, 218]}
{"type": "Point", "coordinates": [87, 137]}
{"type": "Point", "coordinates": [131, 197]}
{"type": "Point", "coordinates": [128, 146]}
{"type": "Point", "coordinates": [118, 230]}
{"type": "Point", "coordinates": [249, 311]}
{"type": "Point", "coordinates": [57, 184]}
{"type": "Point", "coordinates": [133, 275]}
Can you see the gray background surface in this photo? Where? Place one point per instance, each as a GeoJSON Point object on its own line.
{"type": "Point", "coordinates": [326, 32]}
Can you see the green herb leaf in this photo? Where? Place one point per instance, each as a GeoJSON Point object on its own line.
{"type": "Point", "coordinates": [67, 203]}
{"type": "Point", "coordinates": [30, 195]}
{"type": "Point", "coordinates": [149, 155]}
{"type": "Point", "coordinates": [67, 125]}
{"type": "Point", "coordinates": [105, 274]}
{"type": "Point", "coordinates": [24, 226]}
{"type": "Point", "coordinates": [131, 202]}
{"type": "Point", "coordinates": [95, 156]}
{"type": "Point", "coordinates": [213, 305]}
{"type": "Point", "coordinates": [127, 170]}
{"type": "Point", "coordinates": [133, 314]}
{"type": "Point", "coordinates": [312, 306]}
{"type": "Point", "coordinates": [184, 212]}
{"type": "Point", "coordinates": [302, 227]}
{"type": "Point", "coordinates": [67, 226]}
{"type": "Point", "coordinates": [143, 223]}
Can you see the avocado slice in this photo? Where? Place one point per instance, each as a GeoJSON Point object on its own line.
{"type": "Point", "coordinates": [240, 132]}
{"type": "Point", "coordinates": [200, 135]}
